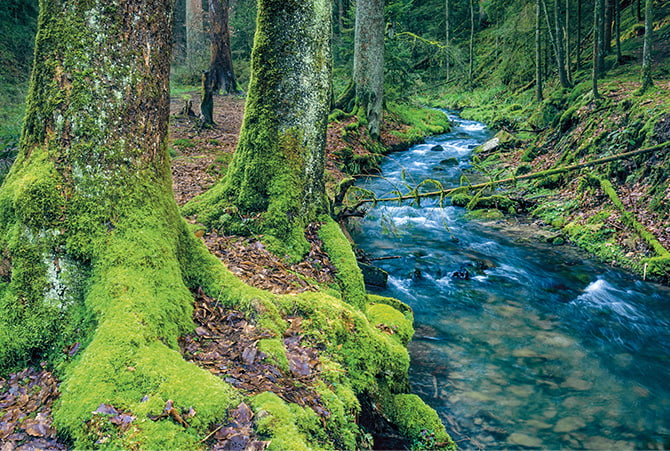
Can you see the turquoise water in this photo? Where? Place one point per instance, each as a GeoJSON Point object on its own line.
{"type": "Point", "coordinates": [541, 347]}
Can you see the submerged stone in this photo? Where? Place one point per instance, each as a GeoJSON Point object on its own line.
{"type": "Point", "coordinates": [518, 438]}
{"type": "Point", "coordinates": [569, 424]}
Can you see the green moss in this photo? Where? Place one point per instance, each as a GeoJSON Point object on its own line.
{"type": "Point", "coordinates": [276, 421]}
{"type": "Point", "coordinates": [342, 256]}
{"type": "Point", "coordinates": [485, 215]}
{"type": "Point", "coordinates": [418, 422]}
{"type": "Point", "coordinates": [385, 312]}
{"type": "Point", "coordinates": [276, 352]}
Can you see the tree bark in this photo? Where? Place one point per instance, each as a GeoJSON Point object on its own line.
{"type": "Point", "coordinates": [277, 170]}
{"type": "Point", "coordinates": [221, 69]}
{"type": "Point", "coordinates": [557, 43]}
{"type": "Point", "coordinates": [567, 32]}
{"type": "Point", "coordinates": [597, 46]}
{"type": "Point", "coordinates": [538, 51]}
{"type": "Point", "coordinates": [471, 59]}
{"type": "Point", "coordinates": [447, 39]}
{"type": "Point", "coordinates": [179, 35]}
{"type": "Point", "coordinates": [647, 81]}
{"type": "Point", "coordinates": [369, 62]}
{"type": "Point", "coordinates": [578, 59]}
{"type": "Point", "coordinates": [617, 30]}
{"type": "Point", "coordinates": [196, 40]}
{"type": "Point", "coordinates": [607, 26]}
{"type": "Point", "coordinates": [90, 226]}
{"type": "Point", "coordinates": [601, 37]}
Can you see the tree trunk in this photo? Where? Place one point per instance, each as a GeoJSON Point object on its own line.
{"type": "Point", "coordinates": [617, 30]}
{"type": "Point", "coordinates": [90, 228]}
{"type": "Point", "coordinates": [647, 82]}
{"type": "Point", "coordinates": [369, 62]}
{"type": "Point", "coordinates": [601, 37]}
{"type": "Point", "coordinates": [447, 49]}
{"type": "Point", "coordinates": [597, 49]}
{"type": "Point", "coordinates": [578, 59]}
{"type": "Point", "coordinates": [607, 26]}
{"type": "Point", "coordinates": [196, 40]}
{"type": "Point", "coordinates": [557, 43]}
{"type": "Point", "coordinates": [221, 69]}
{"type": "Point", "coordinates": [538, 51]}
{"type": "Point", "coordinates": [567, 32]}
{"type": "Point", "coordinates": [179, 39]}
{"type": "Point", "coordinates": [471, 59]}
{"type": "Point", "coordinates": [277, 169]}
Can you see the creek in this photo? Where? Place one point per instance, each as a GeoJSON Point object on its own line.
{"type": "Point", "coordinates": [540, 346]}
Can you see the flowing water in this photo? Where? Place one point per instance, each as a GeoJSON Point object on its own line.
{"type": "Point", "coordinates": [540, 347]}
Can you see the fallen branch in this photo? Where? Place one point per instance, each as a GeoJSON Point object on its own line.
{"type": "Point", "coordinates": [531, 176]}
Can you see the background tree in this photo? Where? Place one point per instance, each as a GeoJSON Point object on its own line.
{"type": "Point", "coordinates": [538, 51]}
{"type": "Point", "coordinates": [647, 82]}
{"type": "Point", "coordinates": [557, 43]}
{"type": "Point", "coordinates": [221, 69]}
{"type": "Point", "coordinates": [597, 47]}
{"type": "Point", "coordinates": [196, 39]}
{"type": "Point", "coordinates": [471, 47]}
{"type": "Point", "coordinates": [277, 169]}
{"type": "Point", "coordinates": [447, 29]}
{"type": "Point", "coordinates": [369, 62]}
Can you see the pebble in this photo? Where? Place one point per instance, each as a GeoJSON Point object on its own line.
{"type": "Point", "coordinates": [577, 384]}
{"type": "Point", "coordinates": [569, 424]}
{"type": "Point", "coordinates": [518, 438]}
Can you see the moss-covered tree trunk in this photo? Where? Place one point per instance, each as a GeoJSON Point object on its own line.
{"type": "Point", "coordinates": [277, 169]}
{"type": "Point", "coordinates": [369, 62]}
{"type": "Point", "coordinates": [221, 59]}
{"type": "Point", "coordinates": [92, 243]}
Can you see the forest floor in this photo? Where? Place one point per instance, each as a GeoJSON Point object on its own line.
{"type": "Point", "coordinates": [199, 158]}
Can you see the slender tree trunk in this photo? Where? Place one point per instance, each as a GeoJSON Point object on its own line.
{"type": "Point", "coordinates": [567, 32]}
{"type": "Point", "coordinates": [221, 69]}
{"type": "Point", "coordinates": [601, 38]}
{"type": "Point", "coordinates": [607, 26]}
{"type": "Point", "coordinates": [471, 60]}
{"type": "Point", "coordinates": [597, 42]}
{"type": "Point", "coordinates": [447, 28]}
{"type": "Point", "coordinates": [538, 51]}
{"type": "Point", "coordinates": [557, 43]}
{"type": "Point", "coordinates": [617, 30]}
{"type": "Point", "coordinates": [179, 47]}
{"type": "Point", "coordinates": [647, 82]}
{"type": "Point", "coordinates": [196, 40]}
{"type": "Point", "coordinates": [578, 59]}
{"type": "Point", "coordinates": [369, 62]}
